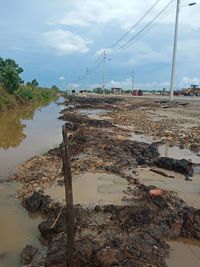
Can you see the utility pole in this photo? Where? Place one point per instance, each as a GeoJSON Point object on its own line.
{"type": "Point", "coordinates": [104, 66]}
{"type": "Point", "coordinates": [86, 78]}
{"type": "Point", "coordinates": [173, 73]}
{"type": "Point", "coordinates": [133, 80]}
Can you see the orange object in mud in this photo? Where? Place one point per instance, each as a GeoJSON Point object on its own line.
{"type": "Point", "coordinates": [156, 192]}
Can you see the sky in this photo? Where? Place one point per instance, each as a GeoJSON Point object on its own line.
{"type": "Point", "coordinates": [56, 41]}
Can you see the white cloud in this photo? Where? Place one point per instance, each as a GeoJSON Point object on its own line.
{"type": "Point", "coordinates": [187, 81]}
{"type": "Point", "coordinates": [188, 49]}
{"type": "Point", "coordinates": [144, 54]}
{"type": "Point", "coordinates": [89, 12]}
{"type": "Point", "coordinates": [65, 42]}
{"type": "Point", "coordinates": [101, 51]}
{"type": "Point", "coordinates": [126, 13]}
{"type": "Point", "coordinates": [73, 85]}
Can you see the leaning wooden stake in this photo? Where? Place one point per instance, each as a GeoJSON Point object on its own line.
{"type": "Point", "coordinates": [69, 197]}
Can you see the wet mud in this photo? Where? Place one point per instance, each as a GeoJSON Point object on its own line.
{"type": "Point", "coordinates": [184, 253]}
{"type": "Point", "coordinates": [103, 189]}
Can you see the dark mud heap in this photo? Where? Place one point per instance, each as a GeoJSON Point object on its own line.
{"type": "Point", "coordinates": [110, 235]}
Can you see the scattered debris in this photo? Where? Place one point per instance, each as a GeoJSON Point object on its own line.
{"type": "Point", "coordinates": [156, 192]}
{"type": "Point", "coordinates": [28, 254]}
{"type": "Point", "coordinates": [161, 173]}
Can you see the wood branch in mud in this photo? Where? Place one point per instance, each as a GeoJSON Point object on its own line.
{"type": "Point", "coordinates": [161, 173]}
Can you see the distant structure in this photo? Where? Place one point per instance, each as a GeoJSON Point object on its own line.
{"type": "Point", "coordinates": [83, 93]}
{"type": "Point", "coordinates": [71, 91]}
{"type": "Point", "coordinates": [193, 90]}
{"type": "Point", "coordinates": [116, 90]}
{"type": "Point", "coordinates": [137, 92]}
{"type": "Point", "coordinates": [194, 86]}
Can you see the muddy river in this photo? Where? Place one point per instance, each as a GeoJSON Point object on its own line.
{"type": "Point", "coordinates": [27, 132]}
{"type": "Point", "coordinates": [24, 132]}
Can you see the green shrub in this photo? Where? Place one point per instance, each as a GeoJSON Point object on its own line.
{"type": "Point", "coordinates": [27, 93]}
{"type": "Point", "coordinates": [6, 100]}
{"type": "Point", "coordinates": [24, 93]}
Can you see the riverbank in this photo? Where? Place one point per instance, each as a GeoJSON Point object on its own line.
{"type": "Point", "coordinates": [24, 96]}
{"type": "Point", "coordinates": [103, 145]}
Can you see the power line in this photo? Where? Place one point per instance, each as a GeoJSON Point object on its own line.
{"type": "Point", "coordinates": [112, 74]}
{"type": "Point", "coordinates": [96, 67]}
{"type": "Point", "coordinates": [146, 31]}
{"type": "Point", "coordinates": [97, 63]}
{"type": "Point", "coordinates": [161, 15]}
{"type": "Point", "coordinates": [147, 26]}
{"type": "Point", "coordinates": [156, 20]}
{"type": "Point", "coordinates": [136, 24]}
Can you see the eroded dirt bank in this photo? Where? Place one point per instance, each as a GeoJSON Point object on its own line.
{"type": "Point", "coordinates": [134, 233]}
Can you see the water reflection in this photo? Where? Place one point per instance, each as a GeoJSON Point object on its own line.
{"type": "Point", "coordinates": [26, 132]}
{"type": "Point", "coordinates": [12, 126]}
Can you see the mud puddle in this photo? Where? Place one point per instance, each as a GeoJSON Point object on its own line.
{"type": "Point", "coordinates": [95, 112]}
{"type": "Point", "coordinates": [189, 191]}
{"type": "Point", "coordinates": [94, 189]}
{"type": "Point", "coordinates": [18, 227]}
{"type": "Point", "coordinates": [177, 153]}
{"type": "Point", "coordinates": [79, 156]}
{"type": "Point", "coordinates": [141, 138]}
{"type": "Point", "coordinates": [184, 253]}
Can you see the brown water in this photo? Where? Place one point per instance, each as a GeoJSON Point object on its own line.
{"type": "Point", "coordinates": [24, 132]}
{"type": "Point", "coordinates": [94, 189]}
{"type": "Point", "coordinates": [17, 228]}
{"type": "Point", "coordinates": [184, 253]}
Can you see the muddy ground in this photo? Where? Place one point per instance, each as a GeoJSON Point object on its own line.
{"type": "Point", "coordinates": [135, 233]}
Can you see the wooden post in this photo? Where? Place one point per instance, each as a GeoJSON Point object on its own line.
{"type": "Point", "coordinates": [64, 148]}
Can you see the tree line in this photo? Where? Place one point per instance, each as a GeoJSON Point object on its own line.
{"type": "Point", "coordinates": [14, 90]}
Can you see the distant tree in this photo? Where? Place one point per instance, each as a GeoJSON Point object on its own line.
{"type": "Point", "coordinates": [98, 90]}
{"type": "Point", "coordinates": [55, 88]}
{"type": "Point", "coordinates": [9, 74]}
{"type": "Point", "coordinates": [34, 83]}
{"type": "Point", "coordinates": [29, 84]}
